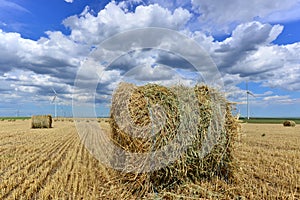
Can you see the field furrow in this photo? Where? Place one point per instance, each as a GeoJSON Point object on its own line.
{"type": "Point", "coordinates": [63, 177]}
{"type": "Point", "coordinates": [30, 157]}
{"type": "Point", "coordinates": [43, 172]}
{"type": "Point", "coordinates": [34, 165]}
{"type": "Point", "coordinates": [25, 159]}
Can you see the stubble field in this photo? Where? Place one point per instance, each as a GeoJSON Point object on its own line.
{"type": "Point", "coordinates": [53, 164]}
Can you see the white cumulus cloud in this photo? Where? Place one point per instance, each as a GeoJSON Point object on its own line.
{"type": "Point", "coordinates": [69, 1]}
{"type": "Point", "coordinates": [113, 19]}
{"type": "Point", "coordinates": [219, 16]}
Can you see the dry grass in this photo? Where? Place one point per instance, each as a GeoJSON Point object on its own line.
{"type": "Point", "coordinates": [196, 112]}
{"type": "Point", "coordinates": [52, 164]}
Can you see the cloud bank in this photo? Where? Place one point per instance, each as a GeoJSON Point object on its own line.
{"type": "Point", "coordinates": [32, 67]}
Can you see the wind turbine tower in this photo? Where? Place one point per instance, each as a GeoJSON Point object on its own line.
{"type": "Point", "coordinates": [54, 100]}
{"type": "Point", "coordinates": [248, 93]}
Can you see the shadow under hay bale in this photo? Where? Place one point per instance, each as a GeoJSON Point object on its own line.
{"type": "Point", "coordinates": [289, 123]}
{"type": "Point", "coordinates": [160, 114]}
{"type": "Point", "coordinates": [41, 121]}
{"type": "Point", "coordinates": [107, 120]}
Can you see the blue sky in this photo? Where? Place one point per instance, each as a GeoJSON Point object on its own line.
{"type": "Point", "coordinates": [43, 44]}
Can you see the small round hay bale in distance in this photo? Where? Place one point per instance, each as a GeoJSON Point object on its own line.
{"type": "Point", "coordinates": [41, 121]}
{"type": "Point", "coordinates": [289, 123]}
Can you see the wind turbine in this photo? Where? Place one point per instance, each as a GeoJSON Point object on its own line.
{"type": "Point", "coordinates": [55, 102]}
{"type": "Point", "coordinates": [248, 93]}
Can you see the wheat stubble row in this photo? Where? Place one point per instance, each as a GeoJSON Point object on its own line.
{"type": "Point", "coordinates": [47, 164]}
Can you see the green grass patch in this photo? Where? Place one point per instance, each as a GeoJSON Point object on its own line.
{"type": "Point", "coordinates": [14, 118]}
{"type": "Point", "coordinates": [269, 120]}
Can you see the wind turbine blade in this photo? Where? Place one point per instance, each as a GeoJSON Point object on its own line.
{"type": "Point", "coordinates": [248, 92]}
{"type": "Point", "coordinates": [54, 91]}
{"type": "Point", "coordinates": [54, 98]}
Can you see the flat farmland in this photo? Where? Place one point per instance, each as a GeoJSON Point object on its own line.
{"type": "Point", "coordinates": [53, 164]}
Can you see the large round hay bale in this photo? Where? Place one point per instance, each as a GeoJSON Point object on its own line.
{"type": "Point", "coordinates": [141, 107]}
{"type": "Point", "coordinates": [139, 100]}
{"type": "Point", "coordinates": [193, 165]}
{"type": "Point", "coordinates": [41, 121]}
{"type": "Point", "coordinates": [289, 123]}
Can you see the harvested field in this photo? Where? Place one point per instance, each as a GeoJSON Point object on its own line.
{"type": "Point", "coordinates": [52, 164]}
